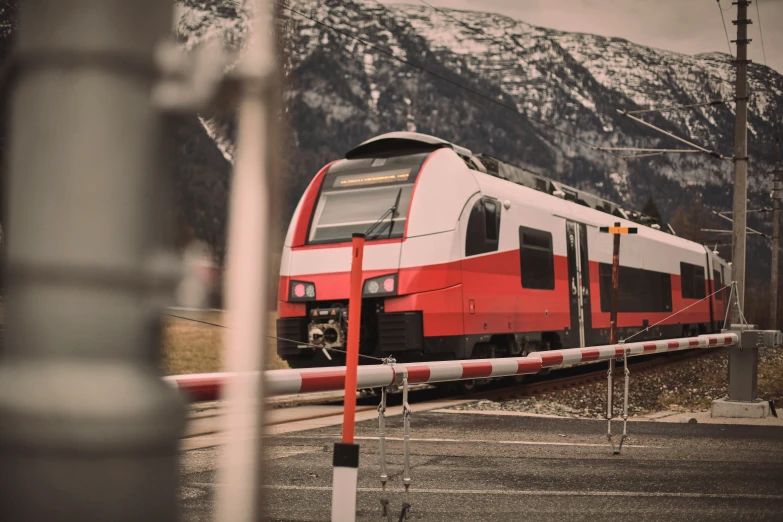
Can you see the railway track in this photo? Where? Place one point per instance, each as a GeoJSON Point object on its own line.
{"type": "Point", "coordinates": [203, 418]}
{"type": "Point", "coordinates": [595, 375]}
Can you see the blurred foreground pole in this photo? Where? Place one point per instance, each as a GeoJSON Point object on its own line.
{"type": "Point", "coordinates": [239, 497]}
{"type": "Point", "coordinates": [88, 430]}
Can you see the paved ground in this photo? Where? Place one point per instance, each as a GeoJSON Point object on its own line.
{"type": "Point", "coordinates": [485, 467]}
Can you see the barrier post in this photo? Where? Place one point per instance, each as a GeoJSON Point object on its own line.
{"type": "Point", "coordinates": [742, 400]}
{"type": "Point", "coordinates": [616, 231]}
{"type": "Point", "coordinates": [346, 453]}
{"type": "Point", "coordinates": [613, 318]}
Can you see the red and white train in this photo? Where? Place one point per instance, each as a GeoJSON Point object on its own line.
{"type": "Point", "coordinates": [470, 257]}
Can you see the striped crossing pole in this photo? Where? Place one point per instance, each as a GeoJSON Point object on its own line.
{"type": "Point", "coordinates": [346, 453]}
{"type": "Point", "coordinates": [309, 380]}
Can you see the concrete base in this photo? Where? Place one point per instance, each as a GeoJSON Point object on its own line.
{"type": "Point", "coordinates": [757, 409]}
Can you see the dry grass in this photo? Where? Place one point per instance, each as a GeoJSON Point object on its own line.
{"type": "Point", "coordinates": [191, 347]}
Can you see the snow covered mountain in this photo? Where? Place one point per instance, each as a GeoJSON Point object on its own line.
{"type": "Point", "coordinates": [533, 96]}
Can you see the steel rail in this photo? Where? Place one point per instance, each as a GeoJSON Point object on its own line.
{"type": "Point", "coordinates": [308, 380]}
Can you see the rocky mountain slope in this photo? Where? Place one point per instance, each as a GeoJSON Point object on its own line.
{"type": "Point", "coordinates": [343, 87]}
{"type": "Point", "coordinates": [536, 97]}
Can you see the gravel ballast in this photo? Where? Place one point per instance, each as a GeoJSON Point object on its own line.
{"type": "Point", "coordinates": [687, 386]}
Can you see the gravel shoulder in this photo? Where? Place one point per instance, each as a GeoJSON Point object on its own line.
{"type": "Point", "coordinates": [688, 386]}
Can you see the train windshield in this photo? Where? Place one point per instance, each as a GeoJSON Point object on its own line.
{"type": "Point", "coordinates": [372, 197]}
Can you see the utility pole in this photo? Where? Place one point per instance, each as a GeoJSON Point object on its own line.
{"type": "Point", "coordinates": [88, 430]}
{"type": "Point", "coordinates": [740, 158]}
{"type": "Point", "coordinates": [743, 364]}
{"type": "Point", "coordinates": [776, 189]}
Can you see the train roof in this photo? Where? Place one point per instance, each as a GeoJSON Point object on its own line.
{"type": "Point", "coordinates": [394, 142]}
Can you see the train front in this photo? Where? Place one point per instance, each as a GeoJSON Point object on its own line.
{"type": "Point", "coordinates": [364, 195]}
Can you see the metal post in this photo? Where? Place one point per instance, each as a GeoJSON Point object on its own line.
{"type": "Point", "coordinates": [743, 374]}
{"type": "Point", "coordinates": [346, 453]}
{"type": "Point", "coordinates": [613, 318]}
{"type": "Point", "coordinates": [385, 511]}
{"type": "Point", "coordinates": [626, 391]}
{"type": "Point", "coordinates": [406, 474]}
{"type": "Point", "coordinates": [738, 234]}
{"type": "Point", "coordinates": [239, 497]}
{"type": "Point", "coordinates": [616, 231]}
{"type": "Point", "coordinates": [88, 430]}
{"type": "Point", "coordinates": [743, 361]}
{"type": "Point", "coordinates": [743, 370]}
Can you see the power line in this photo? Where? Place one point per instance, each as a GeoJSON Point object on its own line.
{"type": "Point", "coordinates": [761, 34]}
{"type": "Point", "coordinates": [724, 28]}
{"type": "Point", "coordinates": [722, 9]}
{"type": "Point", "coordinates": [471, 90]}
{"type": "Point", "coordinates": [680, 107]}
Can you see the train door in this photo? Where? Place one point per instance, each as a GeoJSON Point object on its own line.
{"type": "Point", "coordinates": [483, 279]}
{"type": "Point", "coordinates": [711, 287]}
{"type": "Point", "coordinates": [578, 283]}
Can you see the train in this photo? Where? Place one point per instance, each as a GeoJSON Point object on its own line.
{"type": "Point", "coordinates": [467, 256]}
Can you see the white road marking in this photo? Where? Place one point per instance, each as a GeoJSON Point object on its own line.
{"type": "Point", "coordinates": [517, 442]}
{"type": "Point", "coordinates": [538, 492]}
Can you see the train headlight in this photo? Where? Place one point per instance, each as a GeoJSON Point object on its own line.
{"type": "Point", "coordinates": [381, 286]}
{"type": "Point", "coordinates": [301, 291]}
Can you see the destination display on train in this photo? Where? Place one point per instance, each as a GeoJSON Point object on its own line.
{"type": "Point", "coordinates": [378, 178]}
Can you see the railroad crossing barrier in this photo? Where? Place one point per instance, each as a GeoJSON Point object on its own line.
{"type": "Point", "coordinates": [391, 375]}
{"type": "Point", "coordinates": [742, 400]}
{"type": "Point", "coordinates": [307, 380]}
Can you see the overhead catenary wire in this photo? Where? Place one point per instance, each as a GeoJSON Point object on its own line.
{"type": "Point", "coordinates": [681, 107]}
{"type": "Point", "coordinates": [699, 147]}
{"type": "Point", "coordinates": [459, 85]}
{"type": "Point", "coordinates": [761, 33]}
{"type": "Point", "coordinates": [728, 41]}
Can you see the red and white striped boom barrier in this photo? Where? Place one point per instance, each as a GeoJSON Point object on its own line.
{"type": "Point", "coordinates": [206, 386]}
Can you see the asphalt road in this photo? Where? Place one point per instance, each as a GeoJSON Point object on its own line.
{"type": "Point", "coordinates": [478, 467]}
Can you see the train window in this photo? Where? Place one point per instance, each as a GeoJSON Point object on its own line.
{"type": "Point", "coordinates": [717, 284]}
{"type": "Point", "coordinates": [639, 291]}
{"type": "Point", "coordinates": [340, 213]}
{"type": "Point", "coordinates": [692, 281]}
{"type": "Point", "coordinates": [492, 221]}
{"type": "Point", "coordinates": [536, 261]}
{"type": "Point", "coordinates": [483, 231]}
